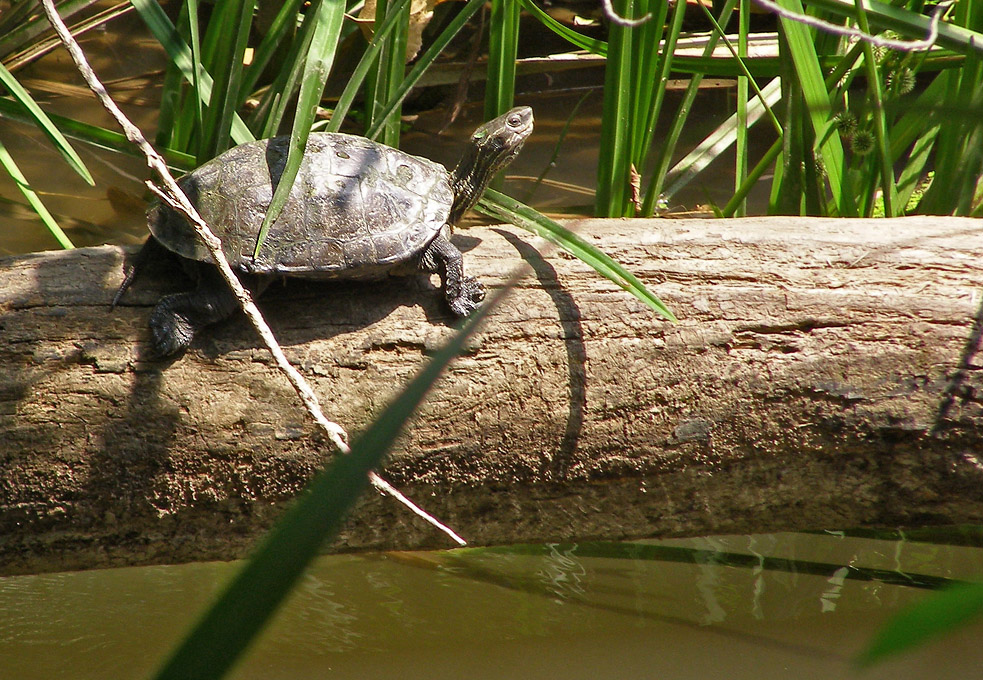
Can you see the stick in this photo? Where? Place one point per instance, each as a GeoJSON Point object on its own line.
{"type": "Point", "coordinates": [172, 195]}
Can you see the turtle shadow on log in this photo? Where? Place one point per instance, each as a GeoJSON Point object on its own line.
{"type": "Point", "coordinates": [570, 319]}
{"type": "Point", "coordinates": [297, 310]}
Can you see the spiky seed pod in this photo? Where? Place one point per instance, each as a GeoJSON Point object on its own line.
{"type": "Point", "coordinates": [846, 123]}
{"type": "Point", "coordinates": [821, 167]}
{"type": "Point", "coordinates": [905, 79]}
{"type": "Point", "coordinates": [862, 142]}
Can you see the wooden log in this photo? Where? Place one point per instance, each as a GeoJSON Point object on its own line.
{"type": "Point", "coordinates": [823, 375]}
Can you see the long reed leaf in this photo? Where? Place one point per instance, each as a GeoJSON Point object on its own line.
{"type": "Point", "coordinates": [614, 156]}
{"type": "Point", "coordinates": [933, 616]}
{"type": "Point", "coordinates": [284, 21]}
{"type": "Point", "coordinates": [275, 103]}
{"type": "Point", "coordinates": [741, 143]}
{"type": "Point", "coordinates": [652, 65]}
{"type": "Point", "coordinates": [179, 52]}
{"type": "Point", "coordinates": [231, 21]}
{"type": "Point", "coordinates": [818, 109]}
{"type": "Point", "coordinates": [44, 123]}
{"type": "Point", "coordinates": [365, 63]}
{"type": "Point", "coordinates": [911, 25]}
{"type": "Point", "coordinates": [503, 44]}
{"type": "Point", "coordinates": [320, 57]}
{"type": "Point", "coordinates": [508, 209]}
{"type": "Point", "coordinates": [424, 62]}
{"type": "Point", "coordinates": [8, 164]}
{"type": "Point", "coordinates": [722, 138]}
{"type": "Point", "coordinates": [875, 91]}
{"type": "Point", "coordinates": [667, 147]}
{"type": "Point", "coordinates": [576, 39]}
{"type": "Point", "coordinates": [93, 135]}
{"type": "Point", "coordinates": [15, 31]}
{"type": "Point", "coordinates": [384, 78]}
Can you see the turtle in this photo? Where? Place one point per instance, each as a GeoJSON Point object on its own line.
{"type": "Point", "coordinates": [357, 210]}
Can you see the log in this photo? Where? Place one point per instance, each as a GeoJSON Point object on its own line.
{"type": "Point", "coordinates": [823, 375]}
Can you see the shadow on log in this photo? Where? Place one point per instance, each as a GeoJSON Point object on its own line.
{"type": "Point", "coordinates": [824, 375]}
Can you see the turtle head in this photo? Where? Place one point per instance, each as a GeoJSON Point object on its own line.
{"type": "Point", "coordinates": [493, 146]}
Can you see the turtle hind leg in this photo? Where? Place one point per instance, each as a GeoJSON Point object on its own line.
{"type": "Point", "coordinates": [463, 293]}
{"type": "Point", "coordinates": [177, 318]}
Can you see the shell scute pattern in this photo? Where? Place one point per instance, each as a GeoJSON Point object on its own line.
{"type": "Point", "coordinates": [355, 205]}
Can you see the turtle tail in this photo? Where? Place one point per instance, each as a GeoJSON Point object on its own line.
{"type": "Point", "coordinates": [150, 248]}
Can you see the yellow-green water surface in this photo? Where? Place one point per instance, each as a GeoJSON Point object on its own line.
{"type": "Point", "coordinates": [774, 606]}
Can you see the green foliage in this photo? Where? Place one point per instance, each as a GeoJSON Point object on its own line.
{"type": "Point", "coordinates": [937, 614]}
{"type": "Point", "coordinates": [508, 209]}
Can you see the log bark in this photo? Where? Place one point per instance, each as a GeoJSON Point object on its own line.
{"type": "Point", "coordinates": [824, 374]}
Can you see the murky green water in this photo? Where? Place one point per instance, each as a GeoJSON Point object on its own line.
{"type": "Point", "coordinates": [649, 610]}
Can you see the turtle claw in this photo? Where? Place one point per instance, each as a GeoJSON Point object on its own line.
{"type": "Point", "coordinates": [171, 333]}
{"type": "Point", "coordinates": [469, 297]}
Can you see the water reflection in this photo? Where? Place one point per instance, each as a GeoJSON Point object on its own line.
{"type": "Point", "coordinates": [784, 605]}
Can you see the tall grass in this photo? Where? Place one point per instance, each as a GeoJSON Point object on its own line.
{"type": "Point", "coordinates": [826, 164]}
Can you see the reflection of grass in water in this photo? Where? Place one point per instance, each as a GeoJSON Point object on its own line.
{"type": "Point", "coordinates": [957, 604]}
{"type": "Point", "coordinates": [668, 553]}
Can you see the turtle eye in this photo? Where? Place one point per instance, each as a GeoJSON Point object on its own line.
{"type": "Point", "coordinates": [514, 120]}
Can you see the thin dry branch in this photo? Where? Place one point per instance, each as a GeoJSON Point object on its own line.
{"type": "Point", "coordinates": [846, 31]}
{"type": "Point", "coordinates": [174, 197]}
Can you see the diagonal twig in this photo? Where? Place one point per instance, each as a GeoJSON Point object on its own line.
{"type": "Point", "coordinates": [172, 195]}
{"type": "Point", "coordinates": [881, 41]}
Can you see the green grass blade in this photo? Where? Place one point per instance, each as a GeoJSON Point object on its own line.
{"type": "Point", "coordinates": [44, 124]}
{"type": "Point", "coordinates": [652, 65]}
{"type": "Point", "coordinates": [283, 22]}
{"type": "Point", "coordinates": [362, 68]}
{"type": "Point", "coordinates": [935, 615]}
{"type": "Point", "coordinates": [508, 209]}
{"type": "Point", "coordinates": [576, 39]}
{"type": "Point", "coordinates": [817, 102]}
{"type": "Point", "coordinates": [170, 104]}
{"type": "Point", "coordinates": [612, 198]}
{"type": "Point", "coordinates": [668, 145]}
{"type": "Point", "coordinates": [18, 32]}
{"type": "Point", "coordinates": [910, 25]}
{"type": "Point", "coordinates": [722, 138]}
{"type": "Point", "coordinates": [503, 43]}
{"type": "Point", "coordinates": [383, 79]}
{"type": "Point", "coordinates": [741, 61]}
{"type": "Point", "coordinates": [755, 174]}
{"type": "Point", "coordinates": [916, 167]}
{"type": "Point", "coordinates": [7, 161]}
{"type": "Point", "coordinates": [248, 602]}
{"type": "Point", "coordinates": [231, 20]}
{"type": "Point", "coordinates": [875, 91]}
{"type": "Point", "coordinates": [423, 63]}
{"type": "Point", "coordinates": [273, 107]}
{"type": "Point", "coordinates": [179, 52]}
{"type": "Point", "coordinates": [194, 30]}
{"type": "Point", "coordinates": [92, 135]}
{"type": "Point", "coordinates": [741, 143]}
{"type": "Point", "coordinates": [320, 57]}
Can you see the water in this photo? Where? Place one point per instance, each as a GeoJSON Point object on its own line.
{"type": "Point", "coordinates": [486, 614]}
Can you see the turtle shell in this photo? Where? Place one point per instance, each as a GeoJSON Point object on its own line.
{"type": "Point", "coordinates": [356, 208]}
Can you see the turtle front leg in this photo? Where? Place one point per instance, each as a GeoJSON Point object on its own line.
{"type": "Point", "coordinates": [463, 293]}
{"type": "Point", "coordinates": [177, 318]}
